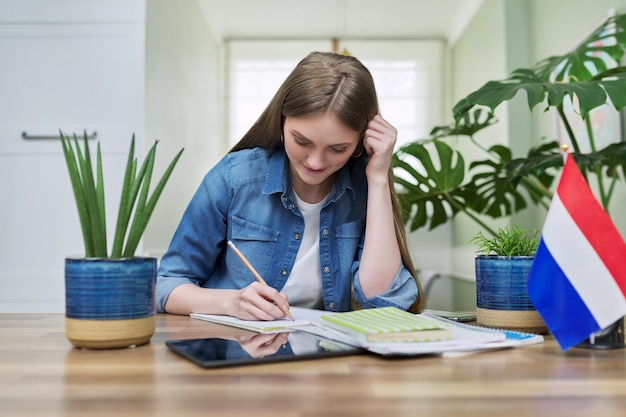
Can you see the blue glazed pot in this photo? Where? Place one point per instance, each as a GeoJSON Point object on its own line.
{"type": "Point", "coordinates": [109, 302]}
{"type": "Point", "coordinates": [501, 282]}
{"type": "Point", "coordinates": [501, 296]}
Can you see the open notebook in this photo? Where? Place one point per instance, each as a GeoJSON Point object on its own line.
{"type": "Point", "coordinates": [463, 337]}
{"type": "Point", "coordinates": [303, 317]}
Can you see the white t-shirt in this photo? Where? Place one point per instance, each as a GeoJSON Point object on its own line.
{"type": "Point", "coordinates": [304, 284]}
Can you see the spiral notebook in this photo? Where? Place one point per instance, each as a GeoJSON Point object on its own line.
{"type": "Point", "coordinates": [513, 336]}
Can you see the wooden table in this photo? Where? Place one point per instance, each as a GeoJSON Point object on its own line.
{"type": "Point", "coordinates": [41, 374]}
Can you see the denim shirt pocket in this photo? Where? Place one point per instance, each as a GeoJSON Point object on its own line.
{"type": "Point", "coordinates": [348, 236]}
{"type": "Point", "coordinates": [352, 230]}
{"type": "Point", "coordinates": [256, 242]}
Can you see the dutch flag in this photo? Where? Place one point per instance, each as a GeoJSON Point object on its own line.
{"type": "Point", "coordinates": [578, 279]}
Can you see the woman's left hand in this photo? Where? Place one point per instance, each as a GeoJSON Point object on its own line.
{"type": "Point", "coordinates": [379, 141]}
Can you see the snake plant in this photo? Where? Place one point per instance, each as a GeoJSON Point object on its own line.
{"type": "Point", "coordinates": [136, 203]}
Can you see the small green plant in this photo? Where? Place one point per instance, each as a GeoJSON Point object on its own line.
{"type": "Point", "coordinates": [508, 241]}
{"type": "Point", "coordinates": [135, 202]}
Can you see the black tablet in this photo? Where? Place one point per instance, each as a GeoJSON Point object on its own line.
{"type": "Point", "coordinates": [258, 349]}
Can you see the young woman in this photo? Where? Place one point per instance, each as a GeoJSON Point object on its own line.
{"type": "Point", "coordinates": [307, 196]}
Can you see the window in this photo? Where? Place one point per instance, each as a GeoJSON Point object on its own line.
{"type": "Point", "coordinates": [409, 77]}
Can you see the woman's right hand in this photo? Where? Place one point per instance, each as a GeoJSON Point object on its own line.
{"type": "Point", "coordinates": [258, 302]}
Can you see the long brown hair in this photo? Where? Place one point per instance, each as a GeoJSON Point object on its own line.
{"type": "Point", "coordinates": [325, 82]}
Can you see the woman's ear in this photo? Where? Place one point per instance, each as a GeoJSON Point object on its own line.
{"type": "Point", "coordinates": [359, 149]}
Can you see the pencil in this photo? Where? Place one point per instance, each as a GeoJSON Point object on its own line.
{"type": "Point", "coordinates": [251, 268]}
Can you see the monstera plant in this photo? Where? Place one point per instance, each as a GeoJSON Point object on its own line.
{"type": "Point", "coordinates": [434, 181]}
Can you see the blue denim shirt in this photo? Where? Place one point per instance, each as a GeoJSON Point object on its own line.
{"type": "Point", "coordinates": [247, 198]}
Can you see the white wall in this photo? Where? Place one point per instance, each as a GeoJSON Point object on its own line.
{"type": "Point", "coordinates": [477, 56]}
{"type": "Point", "coordinates": [182, 107]}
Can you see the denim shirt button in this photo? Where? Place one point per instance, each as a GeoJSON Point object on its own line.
{"type": "Point", "coordinates": [331, 305]}
{"type": "Point", "coordinates": [291, 206]}
{"type": "Point", "coordinates": [326, 269]}
{"type": "Point", "coordinates": [325, 232]}
{"type": "Point", "coordinates": [283, 272]}
{"type": "Point", "coordinates": [296, 236]}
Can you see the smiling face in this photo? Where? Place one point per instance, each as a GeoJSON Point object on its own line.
{"type": "Point", "coordinates": [317, 147]}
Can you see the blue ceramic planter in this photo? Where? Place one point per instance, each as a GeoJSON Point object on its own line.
{"type": "Point", "coordinates": [110, 302]}
{"type": "Point", "coordinates": [501, 282]}
{"type": "Point", "coordinates": [501, 296]}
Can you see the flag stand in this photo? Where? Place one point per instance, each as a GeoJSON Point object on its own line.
{"type": "Point", "coordinates": [610, 338]}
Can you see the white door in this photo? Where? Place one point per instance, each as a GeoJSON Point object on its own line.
{"type": "Point", "coordinates": [75, 77]}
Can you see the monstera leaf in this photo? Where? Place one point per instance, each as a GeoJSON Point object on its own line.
{"type": "Point", "coordinates": [495, 195]}
{"type": "Point", "coordinates": [537, 164]}
{"type": "Point", "coordinates": [431, 177]}
{"type": "Point", "coordinates": [468, 125]}
{"type": "Point", "coordinates": [429, 190]}
{"type": "Point", "coordinates": [608, 86]}
{"type": "Point", "coordinates": [584, 73]}
{"type": "Point", "coordinates": [612, 158]}
{"type": "Point", "coordinates": [605, 45]}
{"type": "Point", "coordinates": [609, 162]}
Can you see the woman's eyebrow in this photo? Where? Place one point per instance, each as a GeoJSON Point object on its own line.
{"type": "Point", "coordinates": [297, 133]}
{"type": "Point", "coordinates": [301, 136]}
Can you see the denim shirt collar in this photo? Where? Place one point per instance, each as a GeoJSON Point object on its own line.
{"type": "Point", "coordinates": [277, 182]}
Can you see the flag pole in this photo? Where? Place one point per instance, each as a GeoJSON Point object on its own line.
{"type": "Point", "coordinates": [564, 151]}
